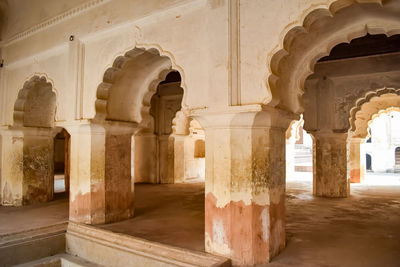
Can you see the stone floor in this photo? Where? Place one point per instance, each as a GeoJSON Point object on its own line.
{"type": "Point", "coordinates": [172, 214]}
{"type": "Point", "coordinates": [363, 230]}
{"type": "Point", "coordinates": [16, 219]}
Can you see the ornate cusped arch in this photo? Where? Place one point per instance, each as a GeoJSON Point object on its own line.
{"type": "Point", "coordinates": [36, 103]}
{"type": "Point", "coordinates": [368, 106]}
{"type": "Point", "coordinates": [322, 29]}
{"type": "Point", "coordinates": [127, 87]}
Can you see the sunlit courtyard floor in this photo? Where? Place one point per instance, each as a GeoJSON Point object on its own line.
{"type": "Point", "coordinates": [362, 230]}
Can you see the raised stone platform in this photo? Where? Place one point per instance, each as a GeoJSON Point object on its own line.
{"type": "Point", "coordinates": [115, 249]}
{"type": "Point", "coordinates": [72, 244]}
{"type": "Point", "coordinates": [29, 245]}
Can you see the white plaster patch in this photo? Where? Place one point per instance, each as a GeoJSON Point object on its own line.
{"type": "Point", "coordinates": [215, 248]}
{"type": "Point", "coordinates": [219, 235]}
{"type": "Point", "coordinates": [265, 224]}
{"type": "Point", "coordinates": [262, 198]}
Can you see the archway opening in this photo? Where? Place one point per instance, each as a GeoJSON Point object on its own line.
{"type": "Point", "coordinates": [143, 90]}
{"type": "Point", "coordinates": [368, 164]}
{"type": "Point", "coordinates": [308, 75]}
{"type": "Point", "coordinates": [299, 156]}
{"type": "Point", "coordinates": [34, 119]}
{"type": "Point", "coordinates": [32, 144]}
{"type": "Point", "coordinates": [328, 101]}
{"type": "Point", "coordinates": [338, 82]}
{"type": "Point", "coordinates": [62, 144]}
{"type": "Point", "coordinates": [170, 145]}
{"type": "Point", "coordinates": [382, 152]}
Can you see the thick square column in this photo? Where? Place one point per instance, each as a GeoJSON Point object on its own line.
{"type": "Point", "coordinates": [101, 188]}
{"type": "Point", "coordinates": [38, 183]}
{"type": "Point", "coordinates": [27, 166]}
{"type": "Point", "coordinates": [330, 164]}
{"type": "Point", "coordinates": [179, 158]}
{"type": "Point", "coordinates": [245, 185]}
{"type": "Point", "coordinates": [146, 154]}
{"type": "Point", "coordinates": [12, 175]}
{"type": "Point", "coordinates": [357, 165]}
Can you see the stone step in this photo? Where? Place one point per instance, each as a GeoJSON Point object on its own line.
{"type": "Point", "coordinates": [60, 260]}
{"type": "Point", "coordinates": [114, 249]}
{"type": "Point", "coordinates": [30, 245]}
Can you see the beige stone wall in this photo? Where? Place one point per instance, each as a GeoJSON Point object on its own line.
{"type": "Point", "coordinates": [238, 61]}
{"type": "Point", "coordinates": [39, 43]}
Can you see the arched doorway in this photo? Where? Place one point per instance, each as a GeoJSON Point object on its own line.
{"type": "Point", "coordinates": [32, 142]}
{"type": "Point", "coordinates": [299, 154]}
{"type": "Point", "coordinates": [368, 162]}
{"type": "Point", "coordinates": [137, 130]}
{"type": "Point", "coordinates": [62, 143]}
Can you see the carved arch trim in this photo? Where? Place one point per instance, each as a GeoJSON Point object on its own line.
{"type": "Point", "coordinates": [321, 30]}
{"type": "Point", "coordinates": [36, 103]}
{"type": "Point", "coordinates": [377, 103]}
{"type": "Point", "coordinates": [144, 67]}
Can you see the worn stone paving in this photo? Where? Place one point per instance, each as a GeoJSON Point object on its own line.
{"type": "Point", "coordinates": [362, 230]}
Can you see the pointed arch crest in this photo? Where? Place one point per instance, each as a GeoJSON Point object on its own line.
{"type": "Point", "coordinates": [127, 87]}
{"type": "Point", "coordinates": [36, 103]}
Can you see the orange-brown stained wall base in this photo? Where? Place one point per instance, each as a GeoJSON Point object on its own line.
{"type": "Point", "coordinates": [252, 234]}
{"type": "Point", "coordinates": [89, 207]}
{"type": "Point", "coordinates": [109, 197]}
{"type": "Point", "coordinates": [355, 176]}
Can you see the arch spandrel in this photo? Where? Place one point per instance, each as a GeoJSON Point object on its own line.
{"type": "Point", "coordinates": [322, 29]}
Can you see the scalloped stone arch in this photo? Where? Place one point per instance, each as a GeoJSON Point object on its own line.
{"type": "Point", "coordinates": [127, 87]}
{"type": "Point", "coordinates": [384, 111]}
{"type": "Point", "coordinates": [323, 29]}
{"type": "Point", "coordinates": [36, 103]}
{"type": "Point", "coordinates": [370, 105]}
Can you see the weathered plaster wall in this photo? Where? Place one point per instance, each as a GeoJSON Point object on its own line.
{"type": "Point", "coordinates": [108, 28]}
{"type": "Point", "coordinates": [336, 86]}
{"type": "Point", "coordinates": [263, 25]}
{"type": "Point", "coordinates": [77, 66]}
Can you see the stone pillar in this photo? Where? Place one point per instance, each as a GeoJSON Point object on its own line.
{"type": "Point", "coordinates": [163, 161]}
{"type": "Point", "coordinates": [357, 166]}
{"type": "Point", "coordinates": [146, 168]}
{"type": "Point", "coordinates": [38, 185]}
{"type": "Point", "coordinates": [12, 175]}
{"type": "Point", "coordinates": [101, 190]}
{"type": "Point", "coordinates": [180, 129]}
{"type": "Point", "coordinates": [27, 166]}
{"type": "Point", "coordinates": [171, 159]}
{"type": "Point", "coordinates": [245, 185]}
{"type": "Point", "coordinates": [330, 164]}
{"type": "Point", "coordinates": [290, 157]}
{"type": "Point", "coordinates": [179, 158]}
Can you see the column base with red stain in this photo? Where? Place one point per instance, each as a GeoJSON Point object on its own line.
{"type": "Point", "coordinates": [101, 188]}
{"type": "Point", "coordinates": [245, 186]}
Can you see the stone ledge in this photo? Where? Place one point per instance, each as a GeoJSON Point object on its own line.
{"type": "Point", "coordinates": [30, 245]}
{"type": "Point", "coordinates": [92, 244]}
